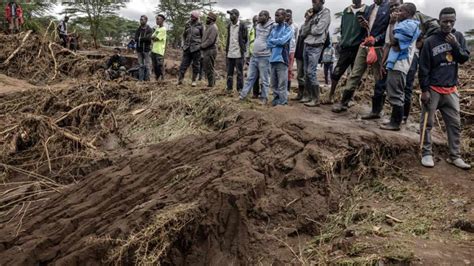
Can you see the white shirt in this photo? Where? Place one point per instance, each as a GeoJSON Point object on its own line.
{"type": "Point", "coordinates": [373, 16]}
{"type": "Point", "coordinates": [234, 47]}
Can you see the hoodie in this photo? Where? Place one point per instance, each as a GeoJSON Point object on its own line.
{"type": "Point", "coordinates": [262, 32]}
{"type": "Point", "coordinates": [279, 43]}
{"type": "Point", "coordinates": [439, 61]}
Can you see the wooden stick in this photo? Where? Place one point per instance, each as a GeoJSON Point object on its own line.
{"type": "Point", "coordinates": [393, 219]}
{"type": "Point", "coordinates": [54, 59]}
{"type": "Point", "coordinates": [44, 38]}
{"type": "Point", "coordinates": [6, 62]}
{"type": "Point", "coordinates": [80, 107]}
{"type": "Point", "coordinates": [423, 132]}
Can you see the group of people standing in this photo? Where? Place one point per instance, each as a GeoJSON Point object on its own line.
{"type": "Point", "coordinates": [391, 38]}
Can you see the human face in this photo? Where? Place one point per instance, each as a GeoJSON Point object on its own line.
{"type": "Point", "coordinates": [143, 21]}
{"type": "Point", "coordinates": [403, 13]}
{"type": "Point", "coordinates": [279, 17]}
{"type": "Point", "coordinates": [263, 18]}
{"type": "Point", "coordinates": [447, 21]}
{"type": "Point", "coordinates": [357, 3]}
{"type": "Point", "coordinates": [289, 17]}
{"type": "Point", "coordinates": [317, 5]}
{"type": "Point", "coordinates": [159, 21]}
{"type": "Point", "coordinates": [233, 17]}
{"type": "Point", "coordinates": [394, 6]}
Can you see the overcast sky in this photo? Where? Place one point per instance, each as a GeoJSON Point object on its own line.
{"type": "Point", "coordinates": [248, 8]}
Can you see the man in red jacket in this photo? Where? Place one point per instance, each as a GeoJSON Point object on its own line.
{"type": "Point", "coordinates": [14, 15]}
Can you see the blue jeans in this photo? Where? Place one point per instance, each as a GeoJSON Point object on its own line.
{"type": "Point", "coordinates": [144, 60]}
{"type": "Point", "coordinates": [311, 60]}
{"type": "Point", "coordinates": [258, 67]}
{"type": "Point", "coordinates": [279, 80]}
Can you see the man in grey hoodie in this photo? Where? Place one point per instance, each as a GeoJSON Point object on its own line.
{"type": "Point", "coordinates": [260, 60]}
{"type": "Point", "coordinates": [315, 31]}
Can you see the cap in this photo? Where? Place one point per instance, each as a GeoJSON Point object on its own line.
{"type": "Point", "coordinates": [233, 11]}
{"type": "Point", "coordinates": [212, 16]}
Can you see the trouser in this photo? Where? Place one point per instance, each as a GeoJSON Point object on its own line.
{"type": "Point", "coordinates": [346, 59]}
{"type": "Point", "coordinates": [409, 86]}
{"type": "Point", "coordinates": [311, 56]}
{"type": "Point", "coordinates": [64, 40]}
{"type": "Point", "coordinates": [360, 66]}
{"type": "Point", "coordinates": [257, 85]}
{"type": "Point", "coordinates": [144, 60]}
{"type": "Point", "coordinates": [448, 104]}
{"type": "Point", "coordinates": [259, 67]}
{"type": "Point", "coordinates": [14, 25]}
{"type": "Point", "coordinates": [237, 64]}
{"type": "Point", "coordinates": [291, 62]}
{"type": "Point", "coordinates": [158, 65]}
{"type": "Point", "coordinates": [209, 60]}
{"type": "Point", "coordinates": [279, 83]}
{"type": "Point", "coordinates": [300, 72]}
{"type": "Point", "coordinates": [327, 72]}
{"type": "Point", "coordinates": [201, 67]}
{"type": "Point", "coordinates": [189, 58]}
{"type": "Point", "coordinates": [396, 81]}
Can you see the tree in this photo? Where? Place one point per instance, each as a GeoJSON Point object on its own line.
{"type": "Point", "coordinates": [470, 33]}
{"type": "Point", "coordinates": [94, 12]}
{"type": "Point", "coordinates": [177, 14]}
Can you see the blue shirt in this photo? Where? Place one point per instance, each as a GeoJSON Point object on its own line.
{"type": "Point", "coordinates": [279, 43]}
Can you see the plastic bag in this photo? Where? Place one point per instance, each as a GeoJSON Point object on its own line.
{"type": "Point", "coordinates": [371, 56]}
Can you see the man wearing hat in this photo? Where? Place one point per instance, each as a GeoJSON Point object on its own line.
{"type": "Point", "coordinates": [159, 46]}
{"type": "Point", "coordinates": [236, 47]}
{"type": "Point", "coordinates": [209, 48]}
{"type": "Point", "coordinates": [192, 37]}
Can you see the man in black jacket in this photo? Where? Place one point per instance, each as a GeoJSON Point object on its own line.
{"type": "Point", "coordinates": [192, 38]}
{"type": "Point", "coordinates": [143, 40]}
{"type": "Point", "coordinates": [438, 73]}
{"type": "Point", "coordinates": [237, 38]}
{"type": "Point", "coordinates": [209, 48]}
{"type": "Point", "coordinates": [115, 66]}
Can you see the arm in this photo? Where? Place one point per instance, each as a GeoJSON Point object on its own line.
{"type": "Point", "coordinates": [460, 51]}
{"type": "Point", "coordinates": [306, 29]}
{"type": "Point", "coordinates": [282, 39]}
{"type": "Point", "coordinates": [161, 35]}
{"type": "Point", "coordinates": [245, 35]}
{"type": "Point", "coordinates": [425, 67]}
{"type": "Point", "coordinates": [148, 34]}
{"type": "Point", "coordinates": [322, 25]}
{"type": "Point", "coordinates": [211, 37]}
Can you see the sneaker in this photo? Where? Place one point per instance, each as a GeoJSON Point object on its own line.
{"type": "Point", "coordinates": [194, 84]}
{"type": "Point", "coordinates": [427, 161]}
{"type": "Point", "coordinates": [339, 108]}
{"type": "Point", "coordinates": [459, 163]}
{"type": "Point", "coordinates": [305, 100]}
{"type": "Point", "coordinates": [263, 102]}
{"type": "Point", "coordinates": [313, 103]}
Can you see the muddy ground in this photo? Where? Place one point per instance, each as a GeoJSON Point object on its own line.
{"type": "Point", "coordinates": [97, 172]}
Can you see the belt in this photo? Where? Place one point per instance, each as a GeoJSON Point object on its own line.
{"type": "Point", "coordinates": [316, 45]}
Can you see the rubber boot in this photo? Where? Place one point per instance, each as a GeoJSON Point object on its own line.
{"type": "Point", "coordinates": [395, 119]}
{"type": "Point", "coordinates": [406, 111]}
{"type": "Point", "coordinates": [343, 105]}
{"type": "Point", "coordinates": [300, 93]}
{"type": "Point", "coordinates": [289, 85]}
{"type": "Point", "coordinates": [377, 107]}
{"type": "Point", "coordinates": [315, 99]}
{"type": "Point", "coordinates": [309, 94]}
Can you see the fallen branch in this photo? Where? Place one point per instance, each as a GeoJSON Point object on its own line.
{"type": "Point", "coordinates": [54, 60]}
{"type": "Point", "coordinates": [393, 219]}
{"type": "Point", "coordinates": [44, 38]}
{"type": "Point", "coordinates": [6, 62]}
{"type": "Point", "coordinates": [80, 107]}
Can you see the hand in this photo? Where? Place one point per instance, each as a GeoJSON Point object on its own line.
{"type": "Point", "coordinates": [383, 71]}
{"type": "Point", "coordinates": [426, 97]}
{"type": "Point", "coordinates": [451, 39]}
{"type": "Point", "coordinates": [363, 22]}
{"type": "Point", "coordinates": [394, 17]}
{"type": "Point", "coordinates": [369, 41]}
{"type": "Point", "coordinates": [419, 44]}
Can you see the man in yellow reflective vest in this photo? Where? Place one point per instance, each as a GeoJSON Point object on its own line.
{"type": "Point", "coordinates": [159, 47]}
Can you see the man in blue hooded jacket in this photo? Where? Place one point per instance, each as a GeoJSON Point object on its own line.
{"type": "Point", "coordinates": [279, 43]}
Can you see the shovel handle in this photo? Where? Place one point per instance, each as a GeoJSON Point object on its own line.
{"type": "Point", "coordinates": [423, 132]}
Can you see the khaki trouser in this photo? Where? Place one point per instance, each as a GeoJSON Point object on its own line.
{"type": "Point", "coordinates": [360, 66]}
{"type": "Point", "coordinates": [14, 24]}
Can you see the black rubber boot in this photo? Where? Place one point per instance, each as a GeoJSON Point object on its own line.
{"type": "Point", "coordinates": [309, 94]}
{"type": "Point", "coordinates": [289, 85]}
{"type": "Point", "coordinates": [395, 119]}
{"type": "Point", "coordinates": [315, 99]}
{"type": "Point", "coordinates": [377, 107]}
{"type": "Point", "coordinates": [300, 93]}
{"type": "Point", "coordinates": [406, 111]}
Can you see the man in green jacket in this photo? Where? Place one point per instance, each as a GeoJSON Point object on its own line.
{"type": "Point", "coordinates": [352, 35]}
{"type": "Point", "coordinates": [159, 46]}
